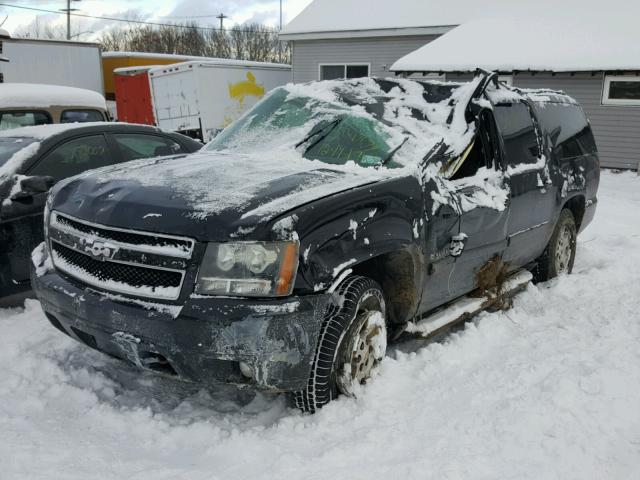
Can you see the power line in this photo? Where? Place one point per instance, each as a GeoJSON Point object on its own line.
{"type": "Point", "coordinates": [112, 19]}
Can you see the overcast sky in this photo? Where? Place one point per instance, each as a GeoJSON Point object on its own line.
{"type": "Point", "coordinates": [203, 11]}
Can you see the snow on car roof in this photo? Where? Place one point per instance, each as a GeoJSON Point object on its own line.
{"type": "Point", "coordinates": [537, 44]}
{"type": "Point", "coordinates": [332, 16]}
{"type": "Point", "coordinates": [42, 132]}
{"type": "Point", "coordinates": [33, 95]}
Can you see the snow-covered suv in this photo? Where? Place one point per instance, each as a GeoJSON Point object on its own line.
{"type": "Point", "coordinates": [331, 217]}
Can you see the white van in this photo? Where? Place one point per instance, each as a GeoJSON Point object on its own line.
{"type": "Point", "coordinates": [27, 104]}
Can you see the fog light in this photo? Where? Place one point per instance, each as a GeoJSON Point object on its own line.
{"type": "Point", "coordinates": [246, 370]}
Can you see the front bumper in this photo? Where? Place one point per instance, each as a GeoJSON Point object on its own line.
{"type": "Point", "coordinates": [203, 341]}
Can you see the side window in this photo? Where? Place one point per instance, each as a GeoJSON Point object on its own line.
{"type": "Point", "coordinates": [9, 120]}
{"type": "Point", "coordinates": [81, 116]}
{"type": "Point", "coordinates": [139, 145]}
{"type": "Point", "coordinates": [518, 132]}
{"type": "Point", "coordinates": [336, 71]}
{"type": "Point", "coordinates": [482, 153]}
{"type": "Point", "coordinates": [74, 157]}
{"type": "Point", "coordinates": [567, 128]}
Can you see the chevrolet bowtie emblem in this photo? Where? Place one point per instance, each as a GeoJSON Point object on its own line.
{"type": "Point", "coordinates": [99, 250]}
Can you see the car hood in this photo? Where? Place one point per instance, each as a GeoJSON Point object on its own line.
{"type": "Point", "coordinates": [208, 196]}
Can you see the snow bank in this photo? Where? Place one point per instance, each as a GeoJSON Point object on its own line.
{"type": "Point", "coordinates": [546, 390]}
{"type": "Point", "coordinates": [33, 95]}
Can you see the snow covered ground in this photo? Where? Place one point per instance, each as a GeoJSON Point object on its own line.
{"type": "Point", "coordinates": [547, 390]}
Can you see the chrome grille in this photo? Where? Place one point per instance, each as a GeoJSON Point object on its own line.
{"type": "Point", "coordinates": [131, 262]}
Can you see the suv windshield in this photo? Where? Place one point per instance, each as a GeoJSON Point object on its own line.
{"type": "Point", "coordinates": [10, 145]}
{"type": "Point", "coordinates": [320, 131]}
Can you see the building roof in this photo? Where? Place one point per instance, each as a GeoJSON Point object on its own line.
{"type": "Point", "coordinates": [537, 44]}
{"type": "Point", "coordinates": [371, 18]}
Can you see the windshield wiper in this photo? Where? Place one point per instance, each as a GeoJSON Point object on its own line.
{"type": "Point", "coordinates": [320, 133]}
{"type": "Point", "coordinates": [391, 153]}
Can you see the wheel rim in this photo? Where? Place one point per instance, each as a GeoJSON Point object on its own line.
{"type": "Point", "coordinates": [365, 351]}
{"type": "Point", "coordinates": [564, 249]}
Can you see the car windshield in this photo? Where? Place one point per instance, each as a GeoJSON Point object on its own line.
{"type": "Point", "coordinates": [10, 145]}
{"type": "Point", "coordinates": [318, 130]}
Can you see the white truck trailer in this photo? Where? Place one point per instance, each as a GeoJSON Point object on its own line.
{"type": "Point", "coordinates": [52, 62]}
{"type": "Point", "coordinates": [200, 98]}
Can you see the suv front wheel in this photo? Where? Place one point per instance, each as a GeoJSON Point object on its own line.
{"type": "Point", "coordinates": [352, 342]}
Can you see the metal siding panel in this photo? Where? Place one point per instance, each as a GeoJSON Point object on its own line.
{"type": "Point", "coordinates": [379, 52]}
{"type": "Point", "coordinates": [616, 128]}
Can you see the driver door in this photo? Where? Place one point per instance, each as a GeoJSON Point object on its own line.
{"type": "Point", "coordinates": [470, 228]}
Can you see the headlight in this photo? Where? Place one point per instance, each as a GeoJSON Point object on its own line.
{"type": "Point", "coordinates": [248, 269]}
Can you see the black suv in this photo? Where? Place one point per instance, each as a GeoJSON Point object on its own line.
{"type": "Point", "coordinates": [328, 219]}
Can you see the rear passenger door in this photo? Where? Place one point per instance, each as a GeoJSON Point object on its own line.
{"type": "Point", "coordinates": [527, 174]}
{"type": "Point", "coordinates": [133, 146]}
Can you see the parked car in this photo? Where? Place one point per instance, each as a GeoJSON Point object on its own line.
{"type": "Point", "coordinates": [321, 224]}
{"type": "Point", "coordinates": [32, 159]}
{"type": "Point", "coordinates": [29, 104]}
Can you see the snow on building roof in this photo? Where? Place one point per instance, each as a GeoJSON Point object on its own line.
{"type": "Point", "coordinates": [537, 44]}
{"type": "Point", "coordinates": [353, 18]}
{"type": "Point", "coordinates": [33, 95]}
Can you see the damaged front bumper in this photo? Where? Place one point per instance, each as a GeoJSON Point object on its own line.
{"type": "Point", "coordinates": [269, 343]}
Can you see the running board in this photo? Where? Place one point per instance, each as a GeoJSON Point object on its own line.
{"type": "Point", "coordinates": [463, 309]}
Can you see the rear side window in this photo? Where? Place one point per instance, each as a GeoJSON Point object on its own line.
{"type": "Point", "coordinates": [518, 132]}
{"type": "Point", "coordinates": [74, 157]}
{"type": "Point", "coordinates": [134, 146]}
{"type": "Point", "coordinates": [9, 120]}
{"type": "Point", "coordinates": [567, 128]}
{"type": "Point", "coordinates": [81, 116]}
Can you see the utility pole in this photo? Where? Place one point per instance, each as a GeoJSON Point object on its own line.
{"type": "Point", "coordinates": [221, 17]}
{"type": "Point", "coordinates": [280, 41]}
{"type": "Point", "coordinates": [68, 11]}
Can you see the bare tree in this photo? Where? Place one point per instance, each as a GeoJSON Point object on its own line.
{"type": "Point", "coordinates": [254, 42]}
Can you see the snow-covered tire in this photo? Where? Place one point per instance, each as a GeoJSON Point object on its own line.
{"type": "Point", "coordinates": [359, 318]}
{"type": "Point", "coordinates": [560, 253]}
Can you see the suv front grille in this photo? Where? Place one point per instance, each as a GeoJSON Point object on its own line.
{"type": "Point", "coordinates": [130, 262]}
{"type": "Point", "coordinates": [126, 236]}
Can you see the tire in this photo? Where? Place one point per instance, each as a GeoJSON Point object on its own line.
{"type": "Point", "coordinates": [560, 253]}
{"type": "Point", "coordinates": [358, 319]}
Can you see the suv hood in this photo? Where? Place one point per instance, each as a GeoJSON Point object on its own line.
{"type": "Point", "coordinates": [208, 196]}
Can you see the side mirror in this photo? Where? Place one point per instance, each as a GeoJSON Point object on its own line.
{"type": "Point", "coordinates": [28, 187]}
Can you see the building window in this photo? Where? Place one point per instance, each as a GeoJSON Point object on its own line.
{"type": "Point", "coordinates": [333, 71]}
{"type": "Point", "coordinates": [621, 90]}
{"type": "Point", "coordinates": [508, 79]}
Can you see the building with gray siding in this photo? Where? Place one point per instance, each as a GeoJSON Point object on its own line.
{"type": "Point", "coordinates": [336, 40]}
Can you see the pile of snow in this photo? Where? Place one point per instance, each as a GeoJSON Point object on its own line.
{"type": "Point", "coordinates": [33, 95]}
{"type": "Point", "coordinates": [548, 389]}
{"type": "Point", "coordinates": [534, 42]}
